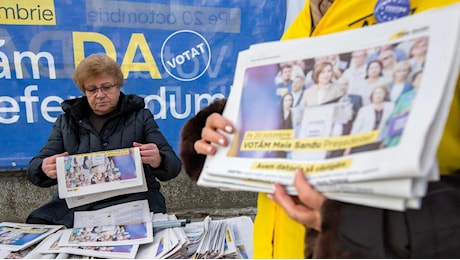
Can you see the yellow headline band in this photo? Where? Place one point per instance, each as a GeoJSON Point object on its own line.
{"type": "Point", "coordinates": [307, 168]}
{"type": "Point", "coordinates": [270, 141]}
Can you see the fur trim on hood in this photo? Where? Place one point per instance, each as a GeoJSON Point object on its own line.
{"type": "Point", "coordinates": [191, 132]}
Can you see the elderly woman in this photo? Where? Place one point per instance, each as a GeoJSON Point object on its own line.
{"type": "Point", "coordinates": [103, 119]}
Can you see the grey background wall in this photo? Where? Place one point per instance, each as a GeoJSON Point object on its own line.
{"type": "Point", "coordinates": [18, 197]}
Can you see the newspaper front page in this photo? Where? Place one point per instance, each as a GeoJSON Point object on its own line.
{"type": "Point", "coordinates": [90, 177]}
{"type": "Point", "coordinates": [390, 139]}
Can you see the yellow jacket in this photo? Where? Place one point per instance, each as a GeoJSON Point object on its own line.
{"type": "Point", "coordinates": [275, 234]}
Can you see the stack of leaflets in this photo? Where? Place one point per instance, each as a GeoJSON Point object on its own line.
{"type": "Point", "coordinates": [128, 231]}
{"type": "Point", "coordinates": [222, 238]}
{"type": "Point", "coordinates": [167, 242]}
{"type": "Point", "coordinates": [112, 232]}
{"type": "Point", "coordinates": [89, 177]}
{"type": "Point", "coordinates": [380, 152]}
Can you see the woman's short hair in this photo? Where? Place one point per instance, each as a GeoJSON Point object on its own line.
{"type": "Point", "coordinates": [318, 68]}
{"type": "Point", "coordinates": [96, 65]}
{"type": "Point", "coordinates": [383, 87]}
{"type": "Point", "coordinates": [369, 65]}
{"type": "Point", "coordinates": [403, 65]}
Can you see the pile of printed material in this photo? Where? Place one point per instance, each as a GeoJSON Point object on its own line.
{"type": "Point", "coordinates": [129, 231]}
{"type": "Point", "coordinates": [380, 151]}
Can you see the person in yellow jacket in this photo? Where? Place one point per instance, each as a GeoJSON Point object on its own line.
{"type": "Point", "coordinates": [276, 235]}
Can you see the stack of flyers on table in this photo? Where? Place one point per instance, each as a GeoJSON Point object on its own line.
{"type": "Point", "coordinates": [225, 238]}
{"type": "Point", "coordinates": [167, 242]}
{"type": "Point", "coordinates": [112, 232]}
{"type": "Point", "coordinates": [18, 240]}
{"type": "Point", "coordinates": [222, 238]}
{"type": "Point", "coordinates": [89, 177]}
{"type": "Point", "coordinates": [378, 152]}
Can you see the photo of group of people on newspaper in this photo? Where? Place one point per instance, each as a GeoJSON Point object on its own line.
{"type": "Point", "coordinates": [337, 97]}
{"type": "Point", "coordinates": [101, 168]}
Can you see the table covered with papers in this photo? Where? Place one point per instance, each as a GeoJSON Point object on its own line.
{"type": "Point", "coordinates": [129, 230]}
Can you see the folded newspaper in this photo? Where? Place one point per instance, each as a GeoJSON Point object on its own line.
{"type": "Point", "coordinates": [380, 151]}
{"type": "Point", "coordinates": [17, 236]}
{"type": "Point", "coordinates": [90, 177]}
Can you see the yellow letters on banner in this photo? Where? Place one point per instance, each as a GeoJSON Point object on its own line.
{"type": "Point", "coordinates": [79, 39]}
{"type": "Point", "coordinates": [136, 42]}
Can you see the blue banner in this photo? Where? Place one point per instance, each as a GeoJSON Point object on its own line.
{"type": "Point", "coordinates": [179, 55]}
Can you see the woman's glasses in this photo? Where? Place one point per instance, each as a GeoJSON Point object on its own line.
{"type": "Point", "coordinates": [106, 89]}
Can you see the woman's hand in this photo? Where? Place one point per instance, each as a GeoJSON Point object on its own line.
{"type": "Point", "coordinates": [304, 208]}
{"type": "Point", "coordinates": [210, 138]}
{"type": "Point", "coordinates": [49, 165]}
{"type": "Point", "coordinates": [150, 154]}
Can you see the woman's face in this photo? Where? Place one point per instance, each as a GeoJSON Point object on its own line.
{"type": "Point", "coordinates": [325, 75]}
{"type": "Point", "coordinates": [420, 47]}
{"type": "Point", "coordinates": [374, 70]}
{"type": "Point", "coordinates": [401, 73]}
{"type": "Point", "coordinates": [102, 93]}
{"type": "Point", "coordinates": [287, 101]}
{"type": "Point", "coordinates": [378, 96]}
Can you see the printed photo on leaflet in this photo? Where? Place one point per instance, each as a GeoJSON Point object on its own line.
{"type": "Point", "coordinates": [338, 111]}
{"type": "Point", "coordinates": [90, 173]}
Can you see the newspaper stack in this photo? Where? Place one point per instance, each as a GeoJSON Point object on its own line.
{"type": "Point", "coordinates": [90, 177]}
{"type": "Point", "coordinates": [112, 232]}
{"type": "Point", "coordinates": [167, 243]}
{"type": "Point", "coordinates": [349, 153]}
{"type": "Point", "coordinates": [127, 231]}
{"type": "Point", "coordinates": [225, 238]}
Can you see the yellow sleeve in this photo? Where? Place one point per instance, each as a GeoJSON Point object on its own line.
{"type": "Point", "coordinates": [275, 234]}
{"type": "Point", "coordinates": [301, 26]}
{"type": "Point", "coordinates": [448, 155]}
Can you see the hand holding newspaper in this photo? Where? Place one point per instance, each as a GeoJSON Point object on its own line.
{"type": "Point", "coordinates": [90, 177]}
{"type": "Point", "coordinates": [382, 154]}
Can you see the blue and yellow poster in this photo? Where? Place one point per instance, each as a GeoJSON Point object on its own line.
{"type": "Point", "coordinates": [179, 55]}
